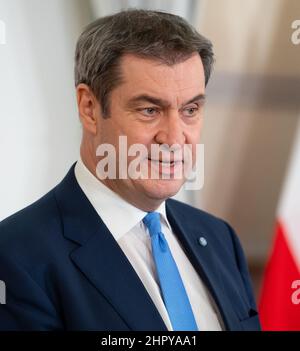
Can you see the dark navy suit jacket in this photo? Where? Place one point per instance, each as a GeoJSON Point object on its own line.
{"type": "Point", "coordinates": [63, 269]}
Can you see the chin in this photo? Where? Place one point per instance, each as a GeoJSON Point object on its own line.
{"type": "Point", "coordinates": [162, 189]}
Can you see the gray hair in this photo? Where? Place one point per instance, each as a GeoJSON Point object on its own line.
{"type": "Point", "coordinates": [148, 34]}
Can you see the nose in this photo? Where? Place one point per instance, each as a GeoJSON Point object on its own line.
{"type": "Point", "coordinates": [171, 130]}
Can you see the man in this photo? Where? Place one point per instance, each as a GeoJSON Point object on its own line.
{"type": "Point", "coordinates": [115, 253]}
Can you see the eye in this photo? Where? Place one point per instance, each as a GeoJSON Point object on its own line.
{"type": "Point", "coordinates": [149, 111]}
{"type": "Point", "coordinates": [190, 111]}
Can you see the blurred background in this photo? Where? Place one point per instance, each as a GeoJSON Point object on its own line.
{"type": "Point", "coordinates": [251, 119]}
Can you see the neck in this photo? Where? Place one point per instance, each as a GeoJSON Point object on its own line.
{"type": "Point", "coordinates": [140, 201]}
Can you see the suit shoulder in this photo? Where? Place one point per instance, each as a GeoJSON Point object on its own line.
{"type": "Point", "coordinates": [215, 228]}
{"type": "Point", "coordinates": [29, 224]}
{"type": "Point", "coordinates": [195, 213]}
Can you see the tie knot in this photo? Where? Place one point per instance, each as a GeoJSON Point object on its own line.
{"type": "Point", "coordinates": [152, 222]}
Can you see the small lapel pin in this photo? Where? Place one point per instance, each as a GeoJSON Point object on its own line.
{"type": "Point", "coordinates": [202, 241]}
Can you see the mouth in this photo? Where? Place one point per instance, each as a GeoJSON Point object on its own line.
{"type": "Point", "coordinates": [170, 168]}
{"type": "Point", "coordinates": [165, 163]}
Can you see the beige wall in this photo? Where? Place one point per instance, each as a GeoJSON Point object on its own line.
{"type": "Point", "coordinates": [251, 115]}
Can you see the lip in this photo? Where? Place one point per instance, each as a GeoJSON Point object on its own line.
{"type": "Point", "coordinates": [166, 162]}
{"type": "Point", "coordinates": [166, 168]}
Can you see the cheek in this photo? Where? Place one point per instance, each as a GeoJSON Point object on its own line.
{"type": "Point", "coordinates": [138, 143]}
{"type": "Point", "coordinates": [193, 139]}
{"type": "Point", "coordinates": [193, 134]}
{"type": "Point", "coordinates": [140, 135]}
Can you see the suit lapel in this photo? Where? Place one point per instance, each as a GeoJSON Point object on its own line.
{"type": "Point", "coordinates": [101, 260]}
{"type": "Point", "coordinates": [104, 264]}
{"type": "Point", "coordinates": [99, 257]}
{"type": "Point", "coordinates": [203, 259]}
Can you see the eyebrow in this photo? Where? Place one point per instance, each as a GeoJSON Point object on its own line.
{"type": "Point", "coordinates": [161, 102]}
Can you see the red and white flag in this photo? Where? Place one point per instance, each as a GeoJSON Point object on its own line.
{"type": "Point", "coordinates": [279, 305]}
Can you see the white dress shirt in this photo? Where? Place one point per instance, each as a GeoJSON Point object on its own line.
{"type": "Point", "coordinates": [124, 221]}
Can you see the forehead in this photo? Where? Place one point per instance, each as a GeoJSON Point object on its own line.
{"type": "Point", "coordinates": [179, 81]}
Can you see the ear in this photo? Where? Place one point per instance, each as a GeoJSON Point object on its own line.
{"type": "Point", "coordinates": [88, 108]}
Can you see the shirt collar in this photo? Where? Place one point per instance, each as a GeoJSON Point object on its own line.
{"type": "Point", "coordinates": [117, 214]}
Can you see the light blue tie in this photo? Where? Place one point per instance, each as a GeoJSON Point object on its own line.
{"type": "Point", "coordinates": [173, 292]}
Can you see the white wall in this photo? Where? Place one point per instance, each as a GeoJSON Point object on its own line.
{"type": "Point", "coordinates": [39, 127]}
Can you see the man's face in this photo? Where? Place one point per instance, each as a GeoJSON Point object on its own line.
{"type": "Point", "coordinates": [155, 104]}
